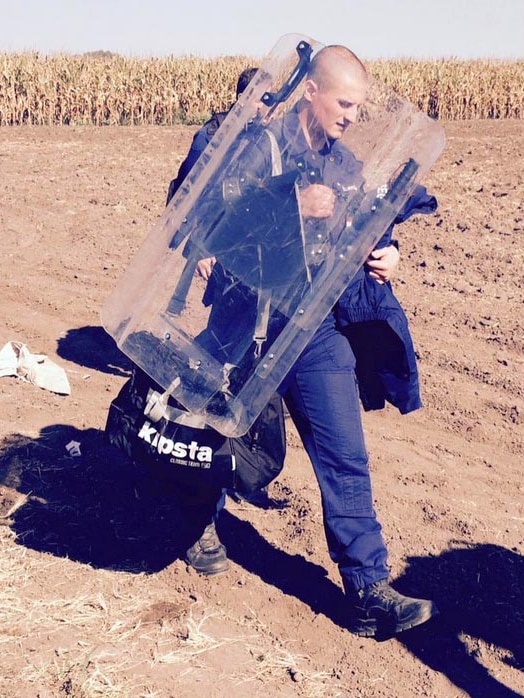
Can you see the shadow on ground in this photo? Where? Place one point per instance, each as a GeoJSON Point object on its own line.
{"type": "Point", "coordinates": [97, 509]}
{"type": "Point", "coordinates": [480, 592]}
{"type": "Point", "coordinates": [94, 508]}
{"type": "Point", "coordinates": [92, 347]}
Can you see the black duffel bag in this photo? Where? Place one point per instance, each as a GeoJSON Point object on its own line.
{"type": "Point", "coordinates": [155, 431]}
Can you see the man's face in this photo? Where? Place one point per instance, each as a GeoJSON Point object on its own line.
{"type": "Point", "coordinates": [334, 106]}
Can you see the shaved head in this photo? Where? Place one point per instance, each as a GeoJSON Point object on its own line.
{"type": "Point", "coordinates": [332, 61]}
{"type": "Point", "coordinates": [336, 84]}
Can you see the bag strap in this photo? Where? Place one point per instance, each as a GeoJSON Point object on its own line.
{"type": "Point", "coordinates": [276, 156]}
{"type": "Point", "coordinates": [157, 408]}
{"type": "Point", "coordinates": [264, 296]}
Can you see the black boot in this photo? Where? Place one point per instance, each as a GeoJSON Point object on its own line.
{"type": "Point", "coordinates": [208, 555]}
{"type": "Point", "coordinates": [379, 611]}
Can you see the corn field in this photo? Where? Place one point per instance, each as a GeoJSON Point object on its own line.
{"type": "Point", "coordinates": [106, 89]}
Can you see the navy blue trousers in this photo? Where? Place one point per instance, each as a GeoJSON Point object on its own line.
{"type": "Point", "coordinates": [322, 397]}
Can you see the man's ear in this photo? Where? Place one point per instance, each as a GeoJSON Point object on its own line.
{"type": "Point", "coordinates": [310, 89]}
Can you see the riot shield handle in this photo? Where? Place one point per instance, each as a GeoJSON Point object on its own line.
{"type": "Point", "coordinates": [271, 99]}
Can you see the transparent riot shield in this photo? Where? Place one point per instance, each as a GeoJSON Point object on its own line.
{"type": "Point", "coordinates": [222, 347]}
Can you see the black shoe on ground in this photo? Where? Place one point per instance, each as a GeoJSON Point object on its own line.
{"type": "Point", "coordinates": [208, 555]}
{"type": "Point", "coordinates": [379, 611]}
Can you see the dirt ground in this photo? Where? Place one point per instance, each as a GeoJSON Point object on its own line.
{"type": "Point", "coordinates": [94, 598]}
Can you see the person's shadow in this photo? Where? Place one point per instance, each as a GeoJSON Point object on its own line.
{"type": "Point", "coordinates": [93, 507]}
{"type": "Point", "coordinates": [98, 509]}
{"type": "Point", "coordinates": [479, 590]}
{"type": "Point", "coordinates": [91, 346]}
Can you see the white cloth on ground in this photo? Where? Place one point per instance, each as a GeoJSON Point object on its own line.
{"type": "Point", "coordinates": [17, 360]}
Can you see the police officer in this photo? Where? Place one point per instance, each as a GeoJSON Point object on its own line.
{"type": "Point", "coordinates": [321, 390]}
